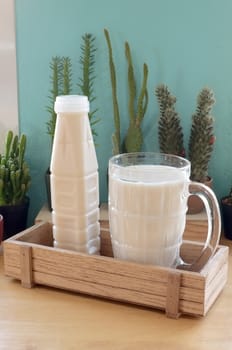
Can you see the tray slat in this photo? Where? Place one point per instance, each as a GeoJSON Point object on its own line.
{"type": "Point", "coordinates": [30, 257]}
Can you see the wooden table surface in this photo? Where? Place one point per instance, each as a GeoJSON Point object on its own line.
{"type": "Point", "coordinates": [45, 318]}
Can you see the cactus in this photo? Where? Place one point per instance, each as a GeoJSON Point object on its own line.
{"type": "Point", "coordinates": [134, 136]}
{"type": "Point", "coordinates": [202, 137]}
{"type": "Point", "coordinates": [87, 61]}
{"type": "Point", "coordinates": [61, 69]}
{"type": "Point", "coordinates": [15, 177]}
{"type": "Point", "coordinates": [169, 129]}
{"type": "Point", "coordinates": [116, 135]}
{"type": "Point", "coordinates": [61, 81]}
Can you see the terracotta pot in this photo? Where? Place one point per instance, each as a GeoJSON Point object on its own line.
{"type": "Point", "coordinates": [226, 209]}
{"type": "Point", "coordinates": [195, 204]}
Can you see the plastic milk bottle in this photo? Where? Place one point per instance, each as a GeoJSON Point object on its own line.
{"type": "Point", "coordinates": [74, 178]}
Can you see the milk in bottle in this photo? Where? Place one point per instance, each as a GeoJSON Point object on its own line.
{"type": "Point", "coordinates": [74, 178]}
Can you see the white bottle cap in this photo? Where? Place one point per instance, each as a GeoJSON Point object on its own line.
{"type": "Point", "coordinates": [71, 104]}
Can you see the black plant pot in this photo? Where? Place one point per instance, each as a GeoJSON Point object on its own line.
{"type": "Point", "coordinates": [15, 218]}
{"type": "Point", "coordinates": [226, 209]}
{"type": "Point", "coordinates": [48, 188]}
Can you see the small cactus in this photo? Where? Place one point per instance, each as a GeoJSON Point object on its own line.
{"type": "Point", "coordinates": [15, 177]}
{"type": "Point", "coordinates": [202, 137]}
{"type": "Point", "coordinates": [169, 130]}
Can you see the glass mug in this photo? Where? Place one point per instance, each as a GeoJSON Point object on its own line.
{"type": "Point", "coordinates": [148, 194]}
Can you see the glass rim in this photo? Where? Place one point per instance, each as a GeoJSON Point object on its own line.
{"type": "Point", "coordinates": [183, 162]}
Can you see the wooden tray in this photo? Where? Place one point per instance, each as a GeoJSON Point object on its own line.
{"type": "Point", "coordinates": [30, 257]}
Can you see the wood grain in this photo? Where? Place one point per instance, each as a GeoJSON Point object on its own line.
{"type": "Point", "coordinates": [106, 277]}
{"type": "Point", "coordinates": [54, 319]}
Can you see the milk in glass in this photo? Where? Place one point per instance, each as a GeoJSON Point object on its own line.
{"type": "Point", "coordinates": [147, 208]}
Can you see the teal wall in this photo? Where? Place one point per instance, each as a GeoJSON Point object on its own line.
{"type": "Point", "coordinates": [187, 44]}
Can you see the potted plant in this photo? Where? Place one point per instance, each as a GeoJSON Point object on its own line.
{"type": "Point", "coordinates": [226, 209]}
{"type": "Point", "coordinates": [201, 139]}
{"type": "Point", "coordinates": [15, 181]}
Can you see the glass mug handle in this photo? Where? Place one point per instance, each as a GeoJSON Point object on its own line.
{"type": "Point", "coordinates": [214, 225]}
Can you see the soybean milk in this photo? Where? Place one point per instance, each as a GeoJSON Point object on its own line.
{"type": "Point", "coordinates": [147, 211]}
{"type": "Point", "coordinates": [74, 180]}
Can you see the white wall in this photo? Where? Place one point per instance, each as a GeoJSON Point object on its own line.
{"type": "Point", "coordinates": [8, 76]}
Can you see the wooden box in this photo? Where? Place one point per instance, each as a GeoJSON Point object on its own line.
{"type": "Point", "coordinates": [30, 257]}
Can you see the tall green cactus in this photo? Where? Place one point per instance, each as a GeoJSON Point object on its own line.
{"type": "Point", "coordinates": [15, 177]}
{"type": "Point", "coordinates": [116, 135]}
{"type": "Point", "coordinates": [202, 137]}
{"type": "Point", "coordinates": [86, 81]}
{"type": "Point", "coordinates": [171, 139]}
{"type": "Point", "coordinates": [134, 136]}
{"type": "Point", "coordinates": [61, 73]}
{"type": "Point", "coordinates": [201, 141]}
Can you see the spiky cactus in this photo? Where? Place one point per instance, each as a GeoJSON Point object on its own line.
{"type": "Point", "coordinates": [134, 138]}
{"type": "Point", "coordinates": [170, 131]}
{"type": "Point", "coordinates": [86, 81]}
{"type": "Point", "coordinates": [137, 110]}
{"type": "Point", "coordinates": [61, 72]}
{"type": "Point", "coordinates": [116, 135]}
{"type": "Point", "coordinates": [15, 177]}
{"type": "Point", "coordinates": [202, 137]}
